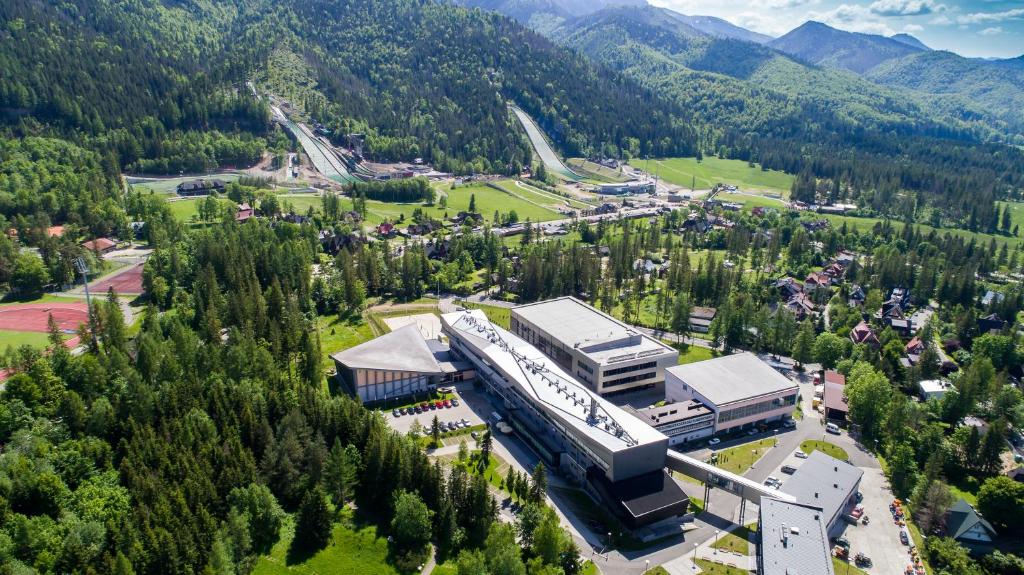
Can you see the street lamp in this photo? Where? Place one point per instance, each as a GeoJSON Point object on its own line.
{"type": "Point", "coordinates": [715, 546]}
{"type": "Point", "coordinates": [647, 565]}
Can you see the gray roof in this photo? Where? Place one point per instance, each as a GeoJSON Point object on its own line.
{"type": "Point", "coordinates": [793, 540]}
{"type": "Point", "coordinates": [401, 350]}
{"type": "Point", "coordinates": [731, 378]}
{"type": "Point", "coordinates": [962, 517]}
{"type": "Point", "coordinates": [824, 482]}
{"type": "Point", "coordinates": [595, 333]}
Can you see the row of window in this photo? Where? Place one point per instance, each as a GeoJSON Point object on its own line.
{"type": "Point", "coordinates": [629, 368]}
{"type": "Point", "coordinates": [629, 379]}
{"type": "Point", "coordinates": [756, 408]}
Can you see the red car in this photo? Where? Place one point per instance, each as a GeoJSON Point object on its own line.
{"type": "Point", "coordinates": [438, 404]}
{"type": "Point", "coordinates": [447, 403]}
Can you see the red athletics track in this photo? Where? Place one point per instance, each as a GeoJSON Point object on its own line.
{"type": "Point", "coordinates": [35, 316]}
{"type": "Point", "coordinates": [128, 281]}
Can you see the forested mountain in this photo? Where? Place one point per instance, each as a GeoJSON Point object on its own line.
{"type": "Point", "coordinates": [162, 87]}
{"type": "Point", "coordinates": [818, 43]}
{"type": "Point", "coordinates": [755, 103]}
{"type": "Point", "coordinates": [909, 41]}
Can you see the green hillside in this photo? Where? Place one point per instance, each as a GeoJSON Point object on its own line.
{"type": "Point", "coordinates": [711, 170]}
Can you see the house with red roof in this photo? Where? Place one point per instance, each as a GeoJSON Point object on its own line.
{"type": "Point", "coordinates": [100, 245]}
{"type": "Point", "coordinates": [245, 211]}
{"type": "Point", "coordinates": [863, 333]}
{"type": "Point", "coordinates": [836, 406]}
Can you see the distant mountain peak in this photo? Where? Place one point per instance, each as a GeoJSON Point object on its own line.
{"type": "Point", "coordinates": [910, 41]}
{"type": "Point", "coordinates": [824, 45]}
{"type": "Point", "coordinates": [720, 28]}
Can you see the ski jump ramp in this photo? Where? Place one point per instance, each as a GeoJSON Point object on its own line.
{"type": "Point", "coordinates": [543, 149]}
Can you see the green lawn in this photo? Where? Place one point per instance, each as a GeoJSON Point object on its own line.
{"type": "Point", "coordinates": [487, 201]}
{"type": "Point", "coordinates": [500, 316]}
{"type": "Point", "coordinates": [1016, 213]}
{"type": "Point", "coordinates": [170, 185]}
{"type": "Point", "coordinates": [16, 339]}
{"type": "Point", "coordinates": [351, 551]}
{"type": "Point", "coordinates": [183, 210]}
{"type": "Point", "coordinates": [825, 447]}
{"type": "Point", "coordinates": [712, 568]}
{"type": "Point", "coordinates": [45, 298]}
{"type": "Point", "coordinates": [301, 203]}
{"type": "Point", "coordinates": [339, 334]}
{"type": "Point", "coordinates": [750, 201]}
{"type": "Point", "coordinates": [693, 353]}
{"type": "Point", "coordinates": [588, 568]}
{"type": "Point", "coordinates": [595, 170]}
{"type": "Point", "coordinates": [738, 459]}
{"type": "Point", "coordinates": [446, 569]}
{"type": "Point", "coordinates": [711, 170]}
{"type": "Point", "coordinates": [735, 541]}
{"type": "Point", "coordinates": [843, 568]}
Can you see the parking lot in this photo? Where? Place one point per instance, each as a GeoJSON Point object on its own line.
{"type": "Point", "coordinates": [403, 423]}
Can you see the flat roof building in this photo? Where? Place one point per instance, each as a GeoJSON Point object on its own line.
{"type": "Point", "coordinates": [740, 389]}
{"type": "Point", "coordinates": [836, 404]}
{"type": "Point", "coordinates": [933, 388]}
{"type": "Point", "coordinates": [592, 346]}
{"type": "Point", "coordinates": [617, 188]}
{"type": "Point", "coordinates": [827, 483]}
{"type": "Point", "coordinates": [395, 365]}
{"type": "Point", "coordinates": [793, 540]}
{"type": "Point", "coordinates": [682, 421]}
{"type": "Point", "coordinates": [617, 457]}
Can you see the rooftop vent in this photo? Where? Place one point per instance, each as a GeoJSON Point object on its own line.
{"type": "Point", "coordinates": [794, 530]}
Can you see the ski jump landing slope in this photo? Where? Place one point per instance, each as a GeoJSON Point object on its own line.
{"type": "Point", "coordinates": [551, 161]}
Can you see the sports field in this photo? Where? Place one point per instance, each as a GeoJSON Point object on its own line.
{"type": "Point", "coordinates": [28, 323]}
{"type": "Point", "coordinates": [170, 185]}
{"type": "Point", "coordinates": [712, 170]}
{"type": "Point", "coordinates": [128, 281]}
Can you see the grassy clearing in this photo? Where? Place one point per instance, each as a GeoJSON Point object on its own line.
{"type": "Point", "coordinates": [736, 541]}
{"type": "Point", "coordinates": [170, 185]}
{"type": "Point", "coordinates": [300, 203]}
{"type": "Point", "coordinates": [337, 334]}
{"type": "Point", "coordinates": [501, 316]}
{"type": "Point", "coordinates": [487, 201]}
{"type": "Point", "coordinates": [738, 459]}
{"type": "Point", "coordinates": [351, 551]}
{"type": "Point", "coordinates": [445, 569]}
{"type": "Point", "coordinates": [16, 339]}
{"type": "Point", "coordinates": [711, 170]}
{"type": "Point", "coordinates": [712, 568]}
{"type": "Point", "coordinates": [750, 201]}
{"type": "Point", "coordinates": [588, 568]}
{"type": "Point", "coordinates": [594, 170]}
{"type": "Point", "coordinates": [824, 447]}
{"type": "Point", "coordinates": [865, 225]}
{"type": "Point", "coordinates": [844, 568]}
{"type": "Point", "coordinates": [692, 353]}
{"type": "Point", "coordinates": [45, 298]}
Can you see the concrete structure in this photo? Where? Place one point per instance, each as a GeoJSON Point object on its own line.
{"type": "Point", "coordinates": [592, 346]}
{"type": "Point", "coordinates": [740, 389]}
{"type": "Point", "coordinates": [701, 318]}
{"type": "Point", "coordinates": [682, 421]}
{"type": "Point", "coordinates": [395, 365]}
{"type": "Point", "coordinates": [793, 540]}
{"type": "Point", "coordinates": [616, 188]}
{"type": "Point", "coordinates": [616, 457]}
{"type": "Point", "coordinates": [834, 396]}
{"type": "Point", "coordinates": [824, 482]}
{"type": "Point", "coordinates": [933, 388]}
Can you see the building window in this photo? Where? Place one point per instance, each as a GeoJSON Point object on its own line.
{"type": "Point", "coordinates": [629, 368]}
{"type": "Point", "coordinates": [629, 379]}
{"type": "Point", "coordinates": [584, 367]}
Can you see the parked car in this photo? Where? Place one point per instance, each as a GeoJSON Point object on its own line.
{"type": "Point", "coordinates": [455, 403]}
{"type": "Point", "coordinates": [714, 441]}
{"type": "Point", "coordinates": [788, 469]}
{"type": "Point", "coordinates": [800, 454]}
{"type": "Point", "coordinates": [903, 537]}
{"type": "Point", "coordinates": [752, 432]}
{"type": "Point", "coordinates": [418, 409]}
{"type": "Point", "coordinates": [474, 435]}
{"type": "Point", "coordinates": [789, 423]}
{"type": "Point", "coordinates": [833, 429]}
{"type": "Point", "coordinates": [772, 481]}
{"type": "Point", "coordinates": [395, 413]}
{"type": "Point", "coordinates": [447, 403]}
{"type": "Point", "coordinates": [465, 422]}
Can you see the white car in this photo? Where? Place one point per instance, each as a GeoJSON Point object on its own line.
{"type": "Point", "coordinates": [789, 423]}
{"type": "Point", "coordinates": [714, 441]}
{"type": "Point", "coordinates": [800, 454]}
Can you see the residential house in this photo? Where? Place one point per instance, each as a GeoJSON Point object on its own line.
{"type": "Point", "coordinates": [836, 406]}
{"type": "Point", "coordinates": [701, 318]}
{"type": "Point", "coordinates": [100, 245]}
{"type": "Point", "coordinates": [244, 213]}
{"type": "Point", "coordinates": [933, 388]}
{"type": "Point", "coordinates": [817, 282]}
{"type": "Point", "coordinates": [815, 225]}
{"type": "Point", "coordinates": [915, 346]}
{"type": "Point", "coordinates": [856, 297]}
{"type": "Point", "coordinates": [801, 306]}
{"type": "Point", "coordinates": [834, 271]}
{"type": "Point", "coordinates": [468, 218]}
{"type": "Point", "coordinates": [900, 296]}
{"type": "Point", "coordinates": [696, 222]}
{"type": "Point", "coordinates": [967, 527]}
{"type": "Point", "coordinates": [200, 187]}
{"type": "Point", "coordinates": [846, 259]}
{"type": "Point", "coordinates": [992, 296]}
{"type": "Point", "coordinates": [605, 208]}
{"type": "Point", "coordinates": [437, 249]}
{"type": "Point", "coordinates": [863, 333]}
{"type": "Point", "coordinates": [1016, 474]}
{"type": "Point", "coordinates": [333, 243]}
{"type": "Point", "coordinates": [788, 287]}
{"type": "Point", "coordinates": [991, 323]}
{"type": "Point", "coordinates": [386, 229]}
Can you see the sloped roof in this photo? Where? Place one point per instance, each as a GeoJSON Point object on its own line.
{"type": "Point", "coordinates": [401, 350]}
{"type": "Point", "coordinates": [963, 517]}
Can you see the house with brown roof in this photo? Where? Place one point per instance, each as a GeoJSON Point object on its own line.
{"type": "Point", "coordinates": [836, 406]}
{"type": "Point", "coordinates": [245, 211]}
{"type": "Point", "coordinates": [863, 333]}
{"type": "Point", "coordinates": [801, 305]}
{"type": "Point", "coordinates": [100, 245]}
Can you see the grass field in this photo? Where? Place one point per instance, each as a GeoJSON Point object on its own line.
{"type": "Point", "coordinates": [712, 568]}
{"type": "Point", "coordinates": [170, 185]}
{"type": "Point", "coordinates": [45, 298]}
{"type": "Point", "coordinates": [843, 568]}
{"type": "Point", "coordinates": [594, 170]}
{"type": "Point", "coordinates": [183, 210]}
{"type": "Point", "coordinates": [16, 339]}
{"type": "Point", "coordinates": [351, 551]}
{"type": "Point", "coordinates": [543, 197]}
{"type": "Point", "coordinates": [487, 201]}
{"type": "Point", "coordinates": [501, 316]}
{"type": "Point", "coordinates": [824, 447]}
{"type": "Point", "coordinates": [301, 203]}
{"type": "Point", "coordinates": [711, 171]}
{"type": "Point", "coordinates": [735, 541]}
{"type": "Point", "coordinates": [340, 334]}
{"type": "Point", "coordinates": [693, 353]}
{"type": "Point", "coordinates": [738, 459]}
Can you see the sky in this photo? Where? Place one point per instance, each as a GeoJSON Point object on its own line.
{"type": "Point", "coordinates": [973, 28]}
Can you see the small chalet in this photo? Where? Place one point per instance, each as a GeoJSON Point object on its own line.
{"type": "Point", "coordinates": [816, 225]}
{"type": "Point", "coordinates": [817, 281]}
{"type": "Point", "coordinates": [857, 296]}
{"type": "Point", "coordinates": [967, 527]}
{"type": "Point", "coordinates": [915, 346]}
{"type": "Point", "coordinates": [100, 245]}
{"type": "Point", "coordinates": [200, 187]}
{"type": "Point", "coordinates": [244, 213]}
{"type": "Point", "coordinates": [863, 333]}
{"type": "Point", "coordinates": [834, 271]}
{"type": "Point", "coordinates": [991, 297]}
{"type": "Point", "coordinates": [789, 287]}
{"type": "Point", "coordinates": [991, 323]}
{"type": "Point", "coordinates": [801, 306]}
{"type": "Point", "coordinates": [701, 318]}
{"type": "Point", "coordinates": [386, 229]}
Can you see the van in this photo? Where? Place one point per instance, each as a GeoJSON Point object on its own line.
{"type": "Point", "coordinates": [788, 469]}
{"type": "Point", "coordinates": [832, 428]}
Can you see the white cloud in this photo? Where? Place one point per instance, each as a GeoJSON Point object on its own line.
{"type": "Point", "coordinates": [941, 20]}
{"type": "Point", "coordinates": [781, 4]}
{"type": "Point", "coordinates": [758, 22]}
{"type": "Point", "coordinates": [854, 18]}
{"type": "Point", "coordinates": [905, 7]}
{"type": "Point", "coordinates": [991, 31]}
{"type": "Point", "coordinates": [913, 28]}
{"type": "Point", "coordinates": [983, 17]}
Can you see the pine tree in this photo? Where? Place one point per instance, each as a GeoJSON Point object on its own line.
{"type": "Point", "coordinates": [803, 346]}
{"type": "Point", "coordinates": [313, 525]}
{"type": "Point", "coordinates": [538, 483]}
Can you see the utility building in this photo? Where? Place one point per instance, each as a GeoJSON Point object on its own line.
{"type": "Point", "coordinates": [616, 457]}
{"type": "Point", "coordinates": [592, 346]}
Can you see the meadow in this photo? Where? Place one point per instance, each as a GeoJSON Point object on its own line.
{"type": "Point", "coordinates": [711, 170]}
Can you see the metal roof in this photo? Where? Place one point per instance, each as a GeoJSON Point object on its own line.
{"type": "Point", "coordinates": [401, 350]}
{"type": "Point", "coordinates": [549, 387]}
{"type": "Point", "coordinates": [731, 378]}
{"type": "Point", "coordinates": [825, 482]}
{"type": "Point", "coordinates": [591, 331]}
{"type": "Point", "coordinates": [793, 540]}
